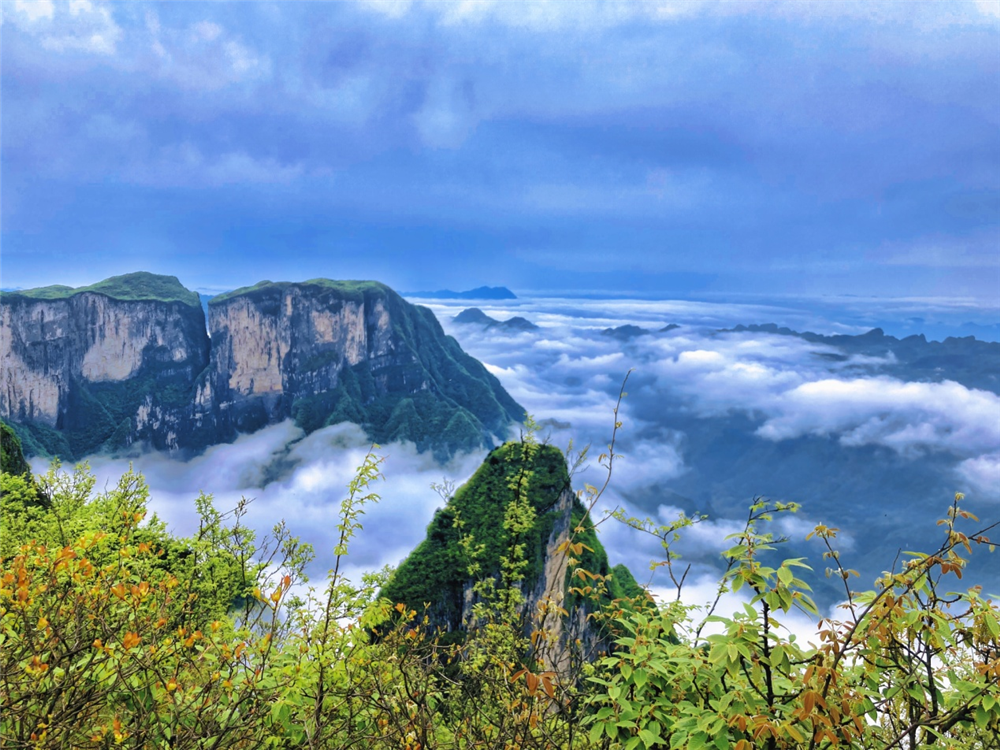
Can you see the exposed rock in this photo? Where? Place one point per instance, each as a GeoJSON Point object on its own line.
{"type": "Point", "coordinates": [85, 370]}
{"type": "Point", "coordinates": [83, 363]}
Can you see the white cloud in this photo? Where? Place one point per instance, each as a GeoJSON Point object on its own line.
{"type": "Point", "coordinates": [308, 493]}
{"type": "Point", "coordinates": [983, 473]}
{"type": "Point", "coordinates": [203, 56]}
{"type": "Point", "coordinates": [390, 8]}
{"type": "Point", "coordinates": [76, 26]}
{"type": "Point", "coordinates": [206, 31]}
{"type": "Point", "coordinates": [902, 416]}
{"type": "Point", "coordinates": [35, 10]}
{"type": "Point", "coordinates": [978, 250]}
{"type": "Point", "coordinates": [185, 164]}
{"type": "Point", "coordinates": [990, 8]}
{"type": "Point", "coordinates": [242, 58]}
{"type": "Point", "coordinates": [548, 15]}
{"type": "Point", "coordinates": [795, 386]}
{"type": "Point", "coordinates": [447, 116]}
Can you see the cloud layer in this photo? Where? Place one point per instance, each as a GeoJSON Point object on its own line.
{"type": "Point", "coordinates": [844, 147]}
{"type": "Point", "coordinates": [711, 419]}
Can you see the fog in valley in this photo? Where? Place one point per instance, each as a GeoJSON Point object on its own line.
{"type": "Point", "coordinates": [712, 418]}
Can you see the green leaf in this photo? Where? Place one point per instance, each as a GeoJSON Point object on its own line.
{"type": "Point", "coordinates": [649, 739]}
{"type": "Point", "coordinates": [982, 717]}
{"type": "Point", "coordinates": [641, 676]}
{"type": "Point", "coordinates": [595, 733]}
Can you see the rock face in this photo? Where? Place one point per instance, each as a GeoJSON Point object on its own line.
{"type": "Point", "coordinates": [130, 360]}
{"type": "Point", "coordinates": [437, 573]}
{"type": "Point", "coordinates": [77, 368]}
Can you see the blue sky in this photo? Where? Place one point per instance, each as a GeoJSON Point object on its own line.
{"type": "Point", "coordinates": [662, 148]}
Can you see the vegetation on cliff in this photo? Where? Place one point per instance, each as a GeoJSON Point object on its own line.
{"type": "Point", "coordinates": [116, 633]}
{"type": "Point", "coordinates": [130, 287]}
{"type": "Point", "coordinates": [469, 532]}
{"type": "Point", "coordinates": [345, 289]}
{"type": "Point", "coordinates": [12, 459]}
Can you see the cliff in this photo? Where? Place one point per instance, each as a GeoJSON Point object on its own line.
{"type": "Point", "coordinates": [325, 351]}
{"type": "Point", "coordinates": [437, 572]}
{"type": "Point", "coordinates": [102, 366]}
{"type": "Point", "coordinates": [130, 361]}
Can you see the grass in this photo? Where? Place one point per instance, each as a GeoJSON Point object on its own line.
{"type": "Point", "coordinates": [348, 289]}
{"type": "Point", "coordinates": [131, 287]}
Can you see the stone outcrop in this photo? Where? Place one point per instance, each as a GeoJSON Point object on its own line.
{"type": "Point", "coordinates": [63, 357]}
{"type": "Point", "coordinates": [440, 575]}
{"type": "Point", "coordinates": [131, 361]}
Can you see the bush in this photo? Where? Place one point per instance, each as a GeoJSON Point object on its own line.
{"type": "Point", "coordinates": [113, 632]}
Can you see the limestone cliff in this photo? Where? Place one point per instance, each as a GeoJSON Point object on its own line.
{"type": "Point", "coordinates": [84, 367]}
{"type": "Point", "coordinates": [324, 352]}
{"type": "Point", "coordinates": [129, 360]}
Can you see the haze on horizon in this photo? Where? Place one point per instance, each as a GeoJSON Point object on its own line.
{"type": "Point", "coordinates": [657, 148]}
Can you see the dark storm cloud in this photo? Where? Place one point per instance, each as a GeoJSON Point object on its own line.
{"type": "Point", "coordinates": [526, 145]}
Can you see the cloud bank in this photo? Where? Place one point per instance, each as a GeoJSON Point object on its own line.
{"type": "Point", "coordinates": [797, 147]}
{"type": "Point", "coordinates": [711, 420]}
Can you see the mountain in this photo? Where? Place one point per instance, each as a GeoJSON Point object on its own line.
{"type": "Point", "coordinates": [627, 332]}
{"type": "Point", "coordinates": [101, 366]}
{"type": "Point", "coordinates": [437, 572]}
{"type": "Point", "coordinates": [967, 360]}
{"type": "Point", "coordinates": [475, 316]}
{"type": "Point", "coordinates": [482, 292]}
{"type": "Point", "coordinates": [12, 459]}
{"type": "Point", "coordinates": [130, 360]}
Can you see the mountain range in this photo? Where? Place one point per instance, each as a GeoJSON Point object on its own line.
{"type": "Point", "coordinates": [481, 292]}
{"type": "Point", "coordinates": [130, 361]}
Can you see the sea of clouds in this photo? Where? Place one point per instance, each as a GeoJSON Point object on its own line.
{"type": "Point", "coordinates": [694, 392]}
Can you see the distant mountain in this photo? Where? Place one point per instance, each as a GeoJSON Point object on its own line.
{"type": "Point", "coordinates": [625, 332]}
{"type": "Point", "coordinates": [966, 360]}
{"type": "Point", "coordinates": [475, 316]}
{"type": "Point", "coordinates": [130, 361]}
{"type": "Point", "coordinates": [482, 292]}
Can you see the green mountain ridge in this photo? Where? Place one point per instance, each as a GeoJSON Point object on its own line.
{"type": "Point", "coordinates": [129, 287]}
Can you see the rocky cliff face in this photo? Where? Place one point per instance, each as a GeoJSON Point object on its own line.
{"type": "Point", "coordinates": [76, 368]}
{"type": "Point", "coordinates": [129, 360]}
{"type": "Point", "coordinates": [324, 352]}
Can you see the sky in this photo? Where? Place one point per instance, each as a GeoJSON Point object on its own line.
{"type": "Point", "coordinates": [661, 148]}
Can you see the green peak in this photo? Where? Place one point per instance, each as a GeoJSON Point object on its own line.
{"type": "Point", "coordinates": [347, 288]}
{"type": "Point", "coordinates": [130, 287]}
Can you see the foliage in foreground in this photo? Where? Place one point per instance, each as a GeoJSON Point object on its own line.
{"type": "Point", "coordinates": [114, 633]}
